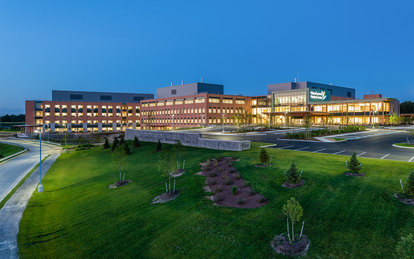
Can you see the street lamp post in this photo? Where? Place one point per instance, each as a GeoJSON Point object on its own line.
{"type": "Point", "coordinates": [286, 118]}
{"type": "Point", "coordinates": [40, 187]}
{"type": "Point", "coordinates": [223, 122]}
{"type": "Point", "coordinates": [270, 110]}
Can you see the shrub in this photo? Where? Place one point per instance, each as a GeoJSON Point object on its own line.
{"type": "Point", "coordinates": [215, 162]}
{"type": "Point", "coordinates": [213, 174]}
{"type": "Point", "coordinates": [228, 182]}
{"type": "Point", "coordinates": [264, 156]}
{"type": "Point", "coordinates": [136, 142]}
{"type": "Point", "coordinates": [234, 190]}
{"type": "Point", "coordinates": [126, 148]}
{"type": "Point", "coordinates": [405, 247]}
{"type": "Point", "coordinates": [115, 144]}
{"type": "Point", "coordinates": [106, 144]}
{"type": "Point", "coordinates": [409, 185]}
{"type": "Point", "coordinates": [122, 139]}
{"type": "Point", "coordinates": [213, 182]}
{"type": "Point", "coordinates": [246, 183]}
{"type": "Point", "coordinates": [292, 174]}
{"type": "Point", "coordinates": [241, 202]}
{"type": "Point", "coordinates": [218, 190]}
{"type": "Point", "coordinates": [252, 193]}
{"type": "Point", "coordinates": [262, 200]}
{"type": "Point", "coordinates": [237, 176]}
{"type": "Point", "coordinates": [158, 147]}
{"type": "Point", "coordinates": [354, 165]}
{"type": "Point", "coordinates": [1, 155]}
{"type": "Point", "coordinates": [219, 198]}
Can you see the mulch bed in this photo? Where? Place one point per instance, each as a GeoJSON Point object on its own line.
{"type": "Point", "coordinates": [221, 176]}
{"type": "Point", "coordinates": [118, 184]}
{"type": "Point", "coordinates": [165, 197]}
{"type": "Point", "coordinates": [405, 200]}
{"type": "Point", "coordinates": [282, 246]}
{"type": "Point", "coordinates": [178, 173]}
{"type": "Point", "coordinates": [293, 185]}
{"type": "Point", "coordinates": [262, 165]}
{"type": "Point", "coordinates": [352, 174]}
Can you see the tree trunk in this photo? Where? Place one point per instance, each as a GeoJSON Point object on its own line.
{"type": "Point", "coordinates": [301, 231]}
{"type": "Point", "coordinates": [166, 187]}
{"type": "Point", "coordinates": [287, 227]}
{"type": "Point", "coordinates": [293, 231]}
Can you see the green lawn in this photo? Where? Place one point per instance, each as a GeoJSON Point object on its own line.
{"type": "Point", "coordinates": [7, 150]}
{"type": "Point", "coordinates": [79, 217]}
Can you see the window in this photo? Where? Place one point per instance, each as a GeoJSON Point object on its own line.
{"type": "Point", "coordinates": [106, 97]}
{"type": "Point", "coordinates": [138, 98]}
{"type": "Point", "coordinates": [349, 94]}
{"type": "Point", "coordinates": [213, 100]}
{"type": "Point", "coordinates": [76, 97]}
{"type": "Point", "coordinates": [174, 91]}
{"type": "Point", "coordinates": [239, 101]}
{"type": "Point", "coordinates": [227, 100]}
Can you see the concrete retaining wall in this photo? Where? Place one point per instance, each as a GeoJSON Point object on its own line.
{"type": "Point", "coordinates": [187, 139]}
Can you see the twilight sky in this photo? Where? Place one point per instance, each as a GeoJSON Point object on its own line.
{"type": "Point", "coordinates": [137, 46]}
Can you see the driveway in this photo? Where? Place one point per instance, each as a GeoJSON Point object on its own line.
{"type": "Point", "coordinates": [12, 171]}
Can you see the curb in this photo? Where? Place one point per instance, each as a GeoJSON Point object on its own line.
{"type": "Point", "coordinates": [25, 150]}
{"type": "Point", "coordinates": [395, 145]}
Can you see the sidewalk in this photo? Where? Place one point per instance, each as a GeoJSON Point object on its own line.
{"type": "Point", "coordinates": [12, 211]}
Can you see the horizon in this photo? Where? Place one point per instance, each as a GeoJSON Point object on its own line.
{"type": "Point", "coordinates": [138, 47]}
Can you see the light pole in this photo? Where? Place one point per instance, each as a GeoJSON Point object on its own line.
{"type": "Point", "coordinates": [286, 121]}
{"type": "Point", "coordinates": [40, 187]}
{"type": "Point", "coordinates": [172, 121]}
{"type": "Point", "coordinates": [270, 110]}
{"type": "Point", "coordinates": [223, 122]}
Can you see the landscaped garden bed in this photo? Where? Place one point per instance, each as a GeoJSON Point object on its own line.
{"type": "Point", "coordinates": [311, 134]}
{"type": "Point", "coordinates": [404, 145]}
{"type": "Point", "coordinates": [229, 188]}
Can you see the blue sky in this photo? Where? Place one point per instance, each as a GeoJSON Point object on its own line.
{"type": "Point", "coordinates": [137, 46]}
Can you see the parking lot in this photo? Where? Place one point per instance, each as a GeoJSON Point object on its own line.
{"type": "Point", "coordinates": [371, 144]}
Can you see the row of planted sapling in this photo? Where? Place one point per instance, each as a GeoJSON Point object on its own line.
{"type": "Point", "coordinates": [170, 167]}
{"type": "Point", "coordinates": [227, 185]}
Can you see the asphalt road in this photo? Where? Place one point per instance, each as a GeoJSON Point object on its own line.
{"type": "Point", "coordinates": [12, 171]}
{"type": "Point", "coordinates": [371, 144]}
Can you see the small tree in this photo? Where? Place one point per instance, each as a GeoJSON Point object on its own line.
{"type": "Point", "coordinates": [395, 119]}
{"type": "Point", "coordinates": [307, 125]}
{"type": "Point", "coordinates": [127, 149]}
{"type": "Point", "coordinates": [354, 165]}
{"type": "Point", "coordinates": [136, 142]}
{"type": "Point", "coordinates": [158, 147]}
{"type": "Point", "coordinates": [293, 211]}
{"type": "Point", "coordinates": [119, 157]}
{"type": "Point", "coordinates": [115, 144]}
{"type": "Point", "coordinates": [409, 185]}
{"type": "Point", "coordinates": [166, 167]}
{"type": "Point", "coordinates": [292, 174]}
{"type": "Point", "coordinates": [264, 156]}
{"type": "Point", "coordinates": [122, 139]}
{"type": "Point", "coordinates": [405, 247]}
{"type": "Point", "coordinates": [106, 144]}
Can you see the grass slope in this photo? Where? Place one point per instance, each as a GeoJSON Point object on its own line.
{"type": "Point", "coordinates": [79, 217]}
{"type": "Point", "coordinates": [7, 150]}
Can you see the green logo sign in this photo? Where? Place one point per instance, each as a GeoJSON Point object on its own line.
{"type": "Point", "coordinates": [319, 95]}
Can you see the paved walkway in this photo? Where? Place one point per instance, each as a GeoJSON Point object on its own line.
{"type": "Point", "coordinates": [12, 211]}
